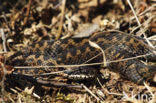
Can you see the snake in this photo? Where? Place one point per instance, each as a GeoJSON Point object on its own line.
{"type": "Point", "coordinates": [74, 53]}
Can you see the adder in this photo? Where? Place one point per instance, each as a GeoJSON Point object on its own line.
{"type": "Point", "coordinates": [77, 51]}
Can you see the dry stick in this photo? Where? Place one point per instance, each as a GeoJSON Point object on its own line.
{"type": "Point", "coordinates": [146, 22]}
{"type": "Point", "coordinates": [12, 101]}
{"type": "Point", "coordinates": [93, 44]}
{"type": "Point", "coordinates": [67, 66]}
{"type": "Point", "coordinates": [61, 21]}
{"type": "Point", "coordinates": [4, 40]}
{"type": "Point", "coordinates": [149, 89]}
{"type": "Point", "coordinates": [152, 37]}
{"type": "Point", "coordinates": [2, 65]}
{"type": "Point", "coordinates": [89, 91]}
{"type": "Point", "coordinates": [107, 90]}
{"type": "Point", "coordinates": [2, 52]}
{"type": "Point", "coordinates": [2, 82]}
{"type": "Point", "coordinates": [27, 13]}
{"type": "Point", "coordinates": [139, 24]}
{"type": "Point", "coordinates": [5, 19]}
{"type": "Point", "coordinates": [57, 5]}
{"type": "Point", "coordinates": [144, 11]}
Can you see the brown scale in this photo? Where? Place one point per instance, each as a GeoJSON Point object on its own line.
{"type": "Point", "coordinates": [78, 51]}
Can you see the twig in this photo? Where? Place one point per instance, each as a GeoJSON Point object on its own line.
{"type": "Point", "coordinates": [4, 40]}
{"type": "Point", "coordinates": [67, 66]}
{"type": "Point", "coordinates": [139, 24]}
{"type": "Point", "coordinates": [118, 94]}
{"type": "Point", "coordinates": [2, 52]}
{"type": "Point", "coordinates": [2, 82]}
{"type": "Point", "coordinates": [89, 91]}
{"type": "Point", "coordinates": [134, 12]}
{"type": "Point", "coordinates": [61, 21]}
{"type": "Point", "coordinates": [152, 37]}
{"type": "Point", "coordinates": [93, 44]}
{"type": "Point", "coordinates": [149, 89]}
{"type": "Point", "coordinates": [144, 24]}
{"type": "Point", "coordinates": [57, 5]}
{"type": "Point", "coordinates": [2, 65]}
{"type": "Point", "coordinates": [5, 19]}
{"type": "Point", "coordinates": [144, 11]}
{"type": "Point", "coordinates": [27, 13]}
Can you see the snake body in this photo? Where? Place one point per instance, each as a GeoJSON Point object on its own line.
{"type": "Point", "coordinates": [77, 51]}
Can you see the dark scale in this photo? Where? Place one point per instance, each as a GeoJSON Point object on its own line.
{"type": "Point", "coordinates": [142, 49]}
{"type": "Point", "coordinates": [136, 41]}
{"type": "Point", "coordinates": [119, 37]}
{"type": "Point", "coordinates": [37, 54]}
{"type": "Point", "coordinates": [40, 43]}
{"type": "Point", "coordinates": [79, 40]}
{"type": "Point", "coordinates": [127, 39]}
{"type": "Point", "coordinates": [50, 42]}
{"type": "Point", "coordinates": [33, 45]}
{"type": "Point", "coordinates": [106, 37]}
{"type": "Point", "coordinates": [18, 62]}
{"type": "Point", "coordinates": [131, 49]}
{"type": "Point", "coordinates": [46, 56]}
{"type": "Point", "coordinates": [59, 50]}
{"type": "Point", "coordinates": [73, 51]}
{"type": "Point", "coordinates": [30, 60]}
{"type": "Point", "coordinates": [39, 62]}
{"type": "Point", "coordinates": [105, 45]}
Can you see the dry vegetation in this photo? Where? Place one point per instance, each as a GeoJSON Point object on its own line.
{"type": "Point", "coordinates": [25, 21]}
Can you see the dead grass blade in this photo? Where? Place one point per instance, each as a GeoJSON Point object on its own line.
{"type": "Point", "coordinates": [91, 64]}
{"type": "Point", "coordinates": [4, 40]}
{"type": "Point", "coordinates": [2, 65]}
{"type": "Point", "coordinates": [93, 44]}
{"type": "Point", "coordinates": [150, 44]}
{"type": "Point", "coordinates": [145, 24]}
{"type": "Point", "coordinates": [61, 21]}
{"type": "Point", "coordinates": [90, 92]}
{"type": "Point", "coordinates": [27, 13]}
{"type": "Point", "coordinates": [107, 90]}
{"type": "Point", "coordinates": [142, 13]}
{"type": "Point", "coordinates": [151, 92]}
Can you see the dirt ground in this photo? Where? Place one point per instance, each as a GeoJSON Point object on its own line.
{"type": "Point", "coordinates": [26, 21]}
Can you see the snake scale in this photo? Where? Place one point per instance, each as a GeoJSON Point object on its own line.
{"type": "Point", "coordinates": [76, 51]}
